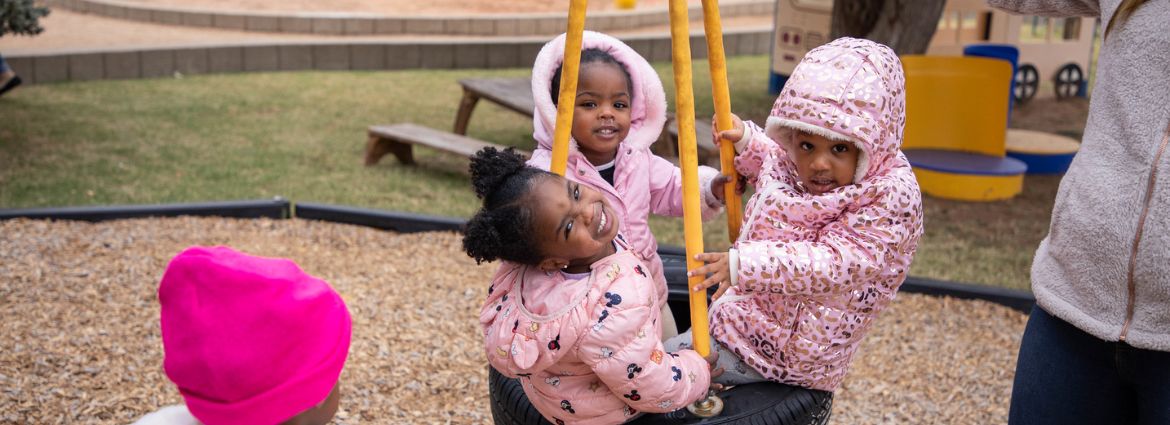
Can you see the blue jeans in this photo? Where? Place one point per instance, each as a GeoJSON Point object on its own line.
{"type": "Point", "coordinates": [1066, 376]}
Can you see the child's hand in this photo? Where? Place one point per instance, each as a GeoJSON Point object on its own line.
{"type": "Point", "coordinates": [712, 361]}
{"type": "Point", "coordinates": [733, 135]}
{"type": "Point", "coordinates": [717, 270]}
{"type": "Point", "coordinates": [718, 182]}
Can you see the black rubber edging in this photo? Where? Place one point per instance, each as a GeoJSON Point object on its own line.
{"type": "Point", "coordinates": [277, 208]}
{"type": "Point", "coordinates": [379, 219]}
{"type": "Point", "coordinates": [674, 267]}
{"type": "Point", "coordinates": [1013, 298]}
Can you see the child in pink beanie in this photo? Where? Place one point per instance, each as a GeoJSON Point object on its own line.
{"type": "Point", "coordinates": [249, 340]}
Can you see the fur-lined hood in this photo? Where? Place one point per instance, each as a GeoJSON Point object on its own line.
{"type": "Point", "coordinates": [849, 90]}
{"type": "Point", "coordinates": [647, 103]}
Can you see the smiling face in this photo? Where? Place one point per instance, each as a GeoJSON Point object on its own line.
{"type": "Point", "coordinates": [574, 224]}
{"type": "Point", "coordinates": [601, 118]}
{"type": "Point", "coordinates": [822, 163]}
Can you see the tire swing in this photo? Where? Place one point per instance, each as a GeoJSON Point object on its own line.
{"type": "Point", "coordinates": [756, 404]}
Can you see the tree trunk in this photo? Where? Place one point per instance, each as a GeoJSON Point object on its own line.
{"type": "Point", "coordinates": [905, 25]}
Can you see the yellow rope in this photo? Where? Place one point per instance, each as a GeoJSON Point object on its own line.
{"type": "Point", "coordinates": [722, 98]}
{"type": "Point", "coordinates": [568, 94]}
{"type": "Point", "coordinates": [688, 161]}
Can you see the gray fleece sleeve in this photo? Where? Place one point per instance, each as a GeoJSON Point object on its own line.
{"type": "Point", "coordinates": [1053, 8]}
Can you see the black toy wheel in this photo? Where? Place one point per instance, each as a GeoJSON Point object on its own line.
{"type": "Point", "coordinates": [756, 404]}
{"type": "Point", "coordinates": [1068, 81]}
{"type": "Point", "coordinates": [1026, 84]}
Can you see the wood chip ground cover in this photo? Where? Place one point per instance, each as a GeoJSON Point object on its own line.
{"type": "Point", "coordinates": [81, 345]}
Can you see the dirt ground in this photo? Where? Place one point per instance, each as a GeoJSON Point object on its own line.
{"type": "Point", "coordinates": [1046, 113]}
{"type": "Point", "coordinates": [82, 342]}
{"type": "Point", "coordinates": [399, 7]}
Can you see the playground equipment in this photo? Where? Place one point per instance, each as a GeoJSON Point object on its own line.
{"type": "Point", "coordinates": [1059, 48]}
{"type": "Point", "coordinates": [955, 139]}
{"type": "Point", "coordinates": [783, 403]}
{"type": "Point", "coordinates": [1044, 153]}
{"type": "Point", "coordinates": [685, 107]}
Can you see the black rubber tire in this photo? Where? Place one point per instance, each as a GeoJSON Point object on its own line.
{"type": "Point", "coordinates": [754, 404]}
{"type": "Point", "coordinates": [509, 404]}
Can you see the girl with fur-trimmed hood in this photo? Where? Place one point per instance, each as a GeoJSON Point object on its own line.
{"type": "Point", "coordinates": [620, 111]}
{"type": "Point", "coordinates": [833, 226]}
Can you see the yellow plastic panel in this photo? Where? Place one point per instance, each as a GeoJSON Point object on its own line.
{"type": "Point", "coordinates": [968, 187]}
{"type": "Point", "coordinates": [956, 103]}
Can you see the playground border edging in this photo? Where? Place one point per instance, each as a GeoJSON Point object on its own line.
{"type": "Point", "coordinates": [277, 208]}
{"type": "Point", "coordinates": [280, 208]}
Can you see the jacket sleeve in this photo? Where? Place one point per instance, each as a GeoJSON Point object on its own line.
{"type": "Point", "coordinates": [626, 353]}
{"type": "Point", "coordinates": [751, 151]}
{"type": "Point", "coordinates": [850, 252]}
{"type": "Point", "coordinates": [666, 189]}
{"type": "Point", "coordinates": [1057, 8]}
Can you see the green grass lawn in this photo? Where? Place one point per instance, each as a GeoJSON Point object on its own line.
{"type": "Point", "coordinates": [302, 136]}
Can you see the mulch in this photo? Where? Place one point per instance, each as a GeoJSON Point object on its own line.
{"type": "Point", "coordinates": [81, 342]}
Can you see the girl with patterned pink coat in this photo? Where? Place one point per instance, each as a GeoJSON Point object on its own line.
{"type": "Point", "coordinates": [834, 223]}
{"type": "Point", "coordinates": [619, 113]}
{"type": "Point", "coordinates": [576, 315]}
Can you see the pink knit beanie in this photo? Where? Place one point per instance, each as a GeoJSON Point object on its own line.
{"type": "Point", "coordinates": [249, 340]}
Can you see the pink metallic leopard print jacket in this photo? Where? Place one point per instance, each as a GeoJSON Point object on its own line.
{"type": "Point", "coordinates": [813, 272]}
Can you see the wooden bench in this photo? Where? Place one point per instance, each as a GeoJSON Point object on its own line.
{"type": "Point", "coordinates": [708, 153]}
{"type": "Point", "coordinates": [398, 139]}
{"type": "Point", "coordinates": [511, 93]}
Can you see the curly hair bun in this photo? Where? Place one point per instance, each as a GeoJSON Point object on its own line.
{"type": "Point", "coordinates": [491, 167]}
{"type": "Point", "coordinates": [481, 241]}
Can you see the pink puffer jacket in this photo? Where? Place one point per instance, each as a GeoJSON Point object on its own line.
{"type": "Point", "coordinates": [588, 351]}
{"type": "Point", "coordinates": [644, 183]}
{"type": "Point", "coordinates": [813, 272]}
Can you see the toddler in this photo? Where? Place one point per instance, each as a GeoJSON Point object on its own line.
{"type": "Point", "coordinates": [249, 341]}
{"type": "Point", "coordinates": [575, 315]}
{"type": "Point", "coordinates": [620, 110]}
{"type": "Point", "coordinates": [832, 227]}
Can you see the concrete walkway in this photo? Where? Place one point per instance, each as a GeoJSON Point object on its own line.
{"type": "Point", "coordinates": [79, 46]}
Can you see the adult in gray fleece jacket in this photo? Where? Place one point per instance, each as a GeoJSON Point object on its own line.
{"type": "Point", "coordinates": [1097, 350]}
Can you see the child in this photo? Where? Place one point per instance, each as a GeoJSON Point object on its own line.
{"type": "Point", "coordinates": [833, 225]}
{"type": "Point", "coordinates": [574, 311]}
{"type": "Point", "coordinates": [620, 110]}
{"type": "Point", "coordinates": [249, 340]}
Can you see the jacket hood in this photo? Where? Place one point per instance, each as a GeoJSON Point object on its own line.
{"type": "Point", "coordinates": [647, 107]}
{"type": "Point", "coordinates": [851, 90]}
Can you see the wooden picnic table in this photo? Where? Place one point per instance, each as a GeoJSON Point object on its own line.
{"type": "Point", "coordinates": [512, 93]}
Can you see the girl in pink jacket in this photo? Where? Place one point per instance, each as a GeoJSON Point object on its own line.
{"type": "Point", "coordinates": [577, 318]}
{"type": "Point", "coordinates": [620, 110]}
{"type": "Point", "coordinates": [833, 225]}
